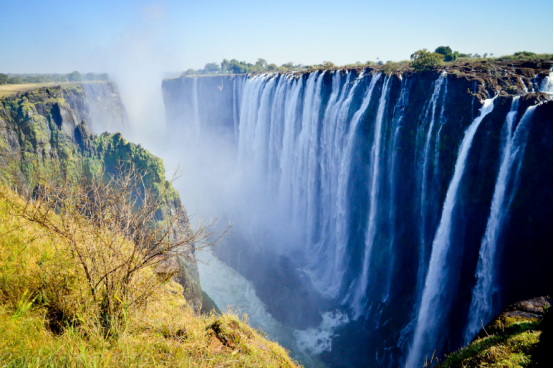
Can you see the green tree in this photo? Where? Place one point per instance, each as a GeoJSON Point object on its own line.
{"type": "Point", "coordinates": [451, 57]}
{"type": "Point", "coordinates": [261, 63]}
{"type": "Point", "coordinates": [16, 80]}
{"type": "Point", "coordinates": [212, 68]}
{"type": "Point", "coordinates": [327, 65]}
{"type": "Point", "coordinates": [426, 60]}
{"type": "Point", "coordinates": [443, 50]}
{"type": "Point", "coordinates": [271, 67]}
{"type": "Point", "coordinates": [74, 77]}
{"type": "Point", "coordinates": [289, 65]}
{"type": "Point", "coordinates": [4, 78]}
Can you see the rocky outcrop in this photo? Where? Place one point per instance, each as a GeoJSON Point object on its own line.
{"type": "Point", "coordinates": [51, 123]}
{"type": "Point", "coordinates": [526, 310]}
{"type": "Point", "coordinates": [99, 104]}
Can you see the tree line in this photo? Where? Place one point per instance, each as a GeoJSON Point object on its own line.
{"type": "Point", "coordinates": [430, 58]}
{"type": "Point", "coordinates": [47, 78]}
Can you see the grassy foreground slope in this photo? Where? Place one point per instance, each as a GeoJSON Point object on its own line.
{"type": "Point", "coordinates": [511, 340]}
{"type": "Point", "coordinates": [42, 285]}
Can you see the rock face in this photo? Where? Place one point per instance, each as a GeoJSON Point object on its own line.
{"type": "Point", "coordinates": [52, 123]}
{"type": "Point", "coordinates": [402, 138]}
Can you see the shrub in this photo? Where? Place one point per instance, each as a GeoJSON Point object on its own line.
{"type": "Point", "coordinates": [112, 227]}
{"type": "Point", "coordinates": [452, 56]}
{"type": "Point", "coordinates": [391, 67]}
{"type": "Point", "coordinates": [424, 60]}
{"type": "Point", "coordinates": [443, 50]}
{"type": "Point", "coordinates": [524, 53]}
{"type": "Point", "coordinates": [327, 65]}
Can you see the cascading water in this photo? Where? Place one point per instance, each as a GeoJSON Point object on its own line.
{"type": "Point", "coordinates": [482, 309]}
{"type": "Point", "coordinates": [431, 312]}
{"type": "Point", "coordinates": [360, 293]}
{"type": "Point", "coordinates": [197, 124]}
{"type": "Point", "coordinates": [360, 179]}
{"type": "Point", "coordinates": [429, 117]}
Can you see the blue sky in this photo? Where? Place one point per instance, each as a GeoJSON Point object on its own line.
{"type": "Point", "coordinates": [61, 36]}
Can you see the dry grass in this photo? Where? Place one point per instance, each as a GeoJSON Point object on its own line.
{"type": "Point", "coordinates": [10, 89]}
{"type": "Point", "coordinates": [48, 319]}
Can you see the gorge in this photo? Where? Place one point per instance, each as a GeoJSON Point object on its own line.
{"type": "Point", "coordinates": [382, 217]}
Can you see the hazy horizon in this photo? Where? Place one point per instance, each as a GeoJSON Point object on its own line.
{"type": "Point", "coordinates": [138, 42]}
{"type": "Point", "coordinates": [63, 36]}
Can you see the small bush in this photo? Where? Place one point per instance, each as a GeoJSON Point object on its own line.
{"type": "Point", "coordinates": [391, 67]}
{"type": "Point", "coordinates": [424, 60]}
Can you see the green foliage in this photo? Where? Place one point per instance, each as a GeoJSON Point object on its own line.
{"type": "Point", "coordinates": [524, 53]}
{"type": "Point", "coordinates": [48, 78]}
{"type": "Point", "coordinates": [16, 80]}
{"type": "Point", "coordinates": [327, 65]}
{"type": "Point", "coordinates": [96, 77]}
{"type": "Point", "coordinates": [511, 348]}
{"type": "Point", "coordinates": [74, 77]}
{"type": "Point", "coordinates": [49, 318]}
{"type": "Point", "coordinates": [234, 66]}
{"type": "Point", "coordinates": [451, 56]}
{"type": "Point", "coordinates": [443, 50]}
{"type": "Point", "coordinates": [391, 67]}
{"type": "Point", "coordinates": [424, 60]}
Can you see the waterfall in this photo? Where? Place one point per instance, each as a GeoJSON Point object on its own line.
{"type": "Point", "coordinates": [197, 123]}
{"type": "Point", "coordinates": [423, 206]}
{"type": "Point", "coordinates": [481, 309]}
{"type": "Point", "coordinates": [547, 84]}
{"type": "Point", "coordinates": [430, 313]}
{"type": "Point", "coordinates": [359, 181]}
{"type": "Point", "coordinates": [375, 176]}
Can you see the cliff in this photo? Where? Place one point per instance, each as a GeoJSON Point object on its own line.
{"type": "Point", "coordinates": [399, 185]}
{"type": "Point", "coordinates": [50, 123]}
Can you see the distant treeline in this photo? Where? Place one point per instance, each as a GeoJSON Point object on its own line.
{"type": "Point", "coordinates": [46, 78]}
{"type": "Point", "coordinates": [444, 53]}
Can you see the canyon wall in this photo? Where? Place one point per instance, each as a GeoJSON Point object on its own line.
{"type": "Point", "coordinates": [58, 123]}
{"type": "Point", "coordinates": [419, 203]}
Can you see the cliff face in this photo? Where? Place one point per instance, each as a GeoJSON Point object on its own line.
{"type": "Point", "coordinates": [52, 123]}
{"type": "Point", "coordinates": [398, 183]}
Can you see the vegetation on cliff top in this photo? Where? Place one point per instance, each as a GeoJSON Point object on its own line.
{"type": "Point", "coordinates": [445, 54]}
{"type": "Point", "coordinates": [518, 342]}
{"type": "Point", "coordinates": [47, 78]}
{"type": "Point", "coordinates": [50, 317]}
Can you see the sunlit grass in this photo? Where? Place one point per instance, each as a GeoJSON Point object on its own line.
{"type": "Point", "coordinates": [509, 349]}
{"type": "Point", "coordinates": [47, 317]}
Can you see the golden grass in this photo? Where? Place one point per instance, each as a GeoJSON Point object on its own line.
{"type": "Point", "coordinates": [10, 89]}
{"type": "Point", "coordinates": [48, 319]}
